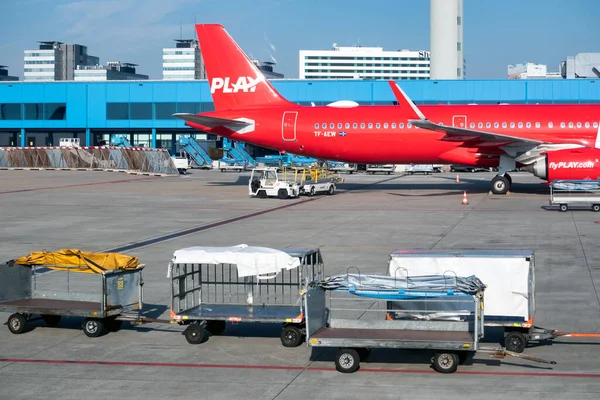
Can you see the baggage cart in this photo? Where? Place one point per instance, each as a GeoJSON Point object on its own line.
{"type": "Point", "coordinates": [420, 168]}
{"type": "Point", "coordinates": [568, 193]}
{"type": "Point", "coordinates": [213, 285]}
{"type": "Point", "coordinates": [72, 283]}
{"type": "Point", "coordinates": [383, 168]}
{"type": "Point", "coordinates": [445, 316]}
{"type": "Point", "coordinates": [510, 293]}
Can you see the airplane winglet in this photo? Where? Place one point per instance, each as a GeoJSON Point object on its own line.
{"type": "Point", "coordinates": [405, 101]}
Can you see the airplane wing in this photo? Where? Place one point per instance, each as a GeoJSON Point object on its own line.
{"type": "Point", "coordinates": [417, 118]}
{"type": "Point", "coordinates": [210, 122]}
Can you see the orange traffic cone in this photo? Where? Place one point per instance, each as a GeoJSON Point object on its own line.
{"type": "Point", "coordinates": [457, 179]}
{"type": "Point", "coordinates": [465, 201]}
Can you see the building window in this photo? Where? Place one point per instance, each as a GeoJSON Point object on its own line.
{"type": "Point", "coordinates": [117, 111]}
{"type": "Point", "coordinates": [34, 111]}
{"type": "Point", "coordinates": [188, 108]}
{"type": "Point", "coordinates": [10, 111]}
{"type": "Point", "coordinates": [141, 110]}
{"type": "Point", "coordinates": [164, 110]}
{"type": "Point", "coordinates": [458, 72]}
{"type": "Point", "coordinates": [458, 48]}
{"type": "Point", "coordinates": [55, 111]}
{"type": "Point", "coordinates": [458, 20]}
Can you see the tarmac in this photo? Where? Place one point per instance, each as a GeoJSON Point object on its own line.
{"type": "Point", "coordinates": [369, 217]}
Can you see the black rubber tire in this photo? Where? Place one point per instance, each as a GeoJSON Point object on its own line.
{"type": "Point", "coordinates": [331, 190]}
{"type": "Point", "coordinates": [194, 334]}
{"type": "Point", "coordinates": [262, 194]}
{"type": "Point", "coordinates": [347, 361]}
{"type": "Point", "coordinates": [291, 336]}
{"type": "Point", "coordinates": [595, 207]}
{"type": "Point", "coordinates": [363, 353]}
{"type": "Point", "coordinates": [515, 342]}
{"type": "Point", "coordinates": [463, 356]}
{"type": "Point", "coordinates": [17, 323]}
{"type": "Point", "coordinates": [312, 190]}
{"type": "Point", "coordinates": [282, 194]}
{"type": "Point", "coordinates": [445, 362]}
{"type": "Point", "coordinates": [563, 208]}
{"type": "Point", "coordinates": [51, 320]}
{"type": "Point", "coordinates": [500, 185]}
{"type": "Point", "coordinates": [509, 178]}
{"type": "Point", "coordinates": [93, 327]}
{"type": "Point", "coordinates": [216, 327]}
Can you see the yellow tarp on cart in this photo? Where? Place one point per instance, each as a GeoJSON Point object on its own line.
{"type": "Point", "coordinates": [75, 260]}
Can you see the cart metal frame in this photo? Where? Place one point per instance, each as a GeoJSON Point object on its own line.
{"type": "Point", "coordinates": [357, 324]}
{"type": "Point", "coordinates": [103, 300]}
{"type": "Point", "coordinates": [206, 296]}
{"type": "Point", "coordinates": [566, 193]}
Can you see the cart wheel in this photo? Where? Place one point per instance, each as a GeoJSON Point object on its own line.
{"type": "Point", "coordinates": [282, 194]}
{"type": "Point", "coordinates": [331, 190]}
{"type": "Point", "coordinates": [291, 336]}
{"type": "Point", "coordinates": [347, 361]}
{"type": "Point", "coordinates": [216, 327]}
{"type": "Point", "coordinates": [596, 207]}
{"type": "Point", "coordinates": [312, 190]}
{"type": "Point", "coordinates": [113, 325]}
{"type": "Point", "coordinates": [51, 320]}
{"type": "Point", "coordinates": [462, 357]}
{"type": "Point", "coordinates": [16, 323]}
{"type": "Point", "coordinates": [194, 334]}
{"type": "Point", "coordinates": [563, 207]}
{"type": "Point", "coordinates": [262, 194]}
{"type": "Point", "coordinates": [445, 362]}
{"type": "Point", "coordinates": [364, 353]}
{"type": "Point", "coordinates": [93, 327]}
{"type": "Point", "coordinates": [515, 342]}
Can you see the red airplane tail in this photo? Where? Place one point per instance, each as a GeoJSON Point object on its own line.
{"type": "Point", "coordinates": [235, 81]}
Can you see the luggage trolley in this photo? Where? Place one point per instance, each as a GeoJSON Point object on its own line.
{"type": "Point", "coordinates": [567, 193]}
{"type": "Point", "coordinates": [103, 288]}
{"type": "Point", "coordinates": [441, 313]}
{"type": "Point", "coordinates": [213, 285]}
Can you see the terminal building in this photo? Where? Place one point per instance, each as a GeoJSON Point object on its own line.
{"type": "Point", "coordinates": [39, 114]}
{"type": "Point", "coordinates": [183, 62]}
{"type": "Point", "coordinates": [364, 63]}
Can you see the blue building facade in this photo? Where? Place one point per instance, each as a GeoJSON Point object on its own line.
{"type": "Point", "coordinates": [38, 114]}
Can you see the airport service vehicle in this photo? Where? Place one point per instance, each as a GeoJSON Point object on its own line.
{"type": "Point", "coordinates": [103, 288]}
{"type": "Point", "coordinates": [315, 180]}
{"type": "Point", "coordinates": [181, 163]}
{"type": "Point", "coordinates": [509, 276]}
{"type": "Point", "coordinates": [236, 167]}
{"type": "Point", "coordinates": [336, 166]}
{"type": "Point", "coordinates": [213, 285]}
{"type": "Point", "coordinates": [566, 193]}
{"type": "Point", "coordinates": [443, 314]}
{"type": "Point", "coordinates": [551, 141]}
{"type": "Point", "coordinates": [383, 168]}
{"type": "Point", "coordinates": [420, 168]}
{"type": "Point", "coordinates": [69, 142]}
{"type": "Point", "coordinates": [264, 182]}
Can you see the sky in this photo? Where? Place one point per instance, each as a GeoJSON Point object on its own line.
{"type": "Point", "coordinates": [496, 32]}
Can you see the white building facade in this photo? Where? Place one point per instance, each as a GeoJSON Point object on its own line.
{"type": "Point", "coordinates": [446, 39]}
{"type": "Point", "coordinates": [364, 63]}
{"type": "Point", "coordinates": [45, 63]}
{"type": "Point", "coordinates": [183, 62]}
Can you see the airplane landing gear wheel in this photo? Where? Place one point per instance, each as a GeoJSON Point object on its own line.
{"type": "Point", "coordinates": [500, 185]}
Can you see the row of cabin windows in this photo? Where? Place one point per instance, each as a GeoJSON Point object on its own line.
{"type": "Point", "coordinates": [471, 125]}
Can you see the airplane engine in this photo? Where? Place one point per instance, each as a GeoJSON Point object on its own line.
{"type": "Point", "coordinates": [569, 164]}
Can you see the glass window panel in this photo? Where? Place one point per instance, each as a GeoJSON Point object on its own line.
{"type": "Point", "coordinates": [54, 111]}
{"type": "Point", "coordinates": [34, 111]}
{"type": "Point", "coordinates": [117, 110]}
{"type": "Point", "coordinates": [10, 111]}
{"type": "Point", "coordinates": [188, 108]}
{"type": "Point", "coordinates": [141, 110]}
{"type": "Point", "coordinates": [164, 110]}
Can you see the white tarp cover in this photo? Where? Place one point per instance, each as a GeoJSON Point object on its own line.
{"type": "Point", "coordinates": [507, 279]}
{"type": "Point", "coordinates": [250, 260]}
